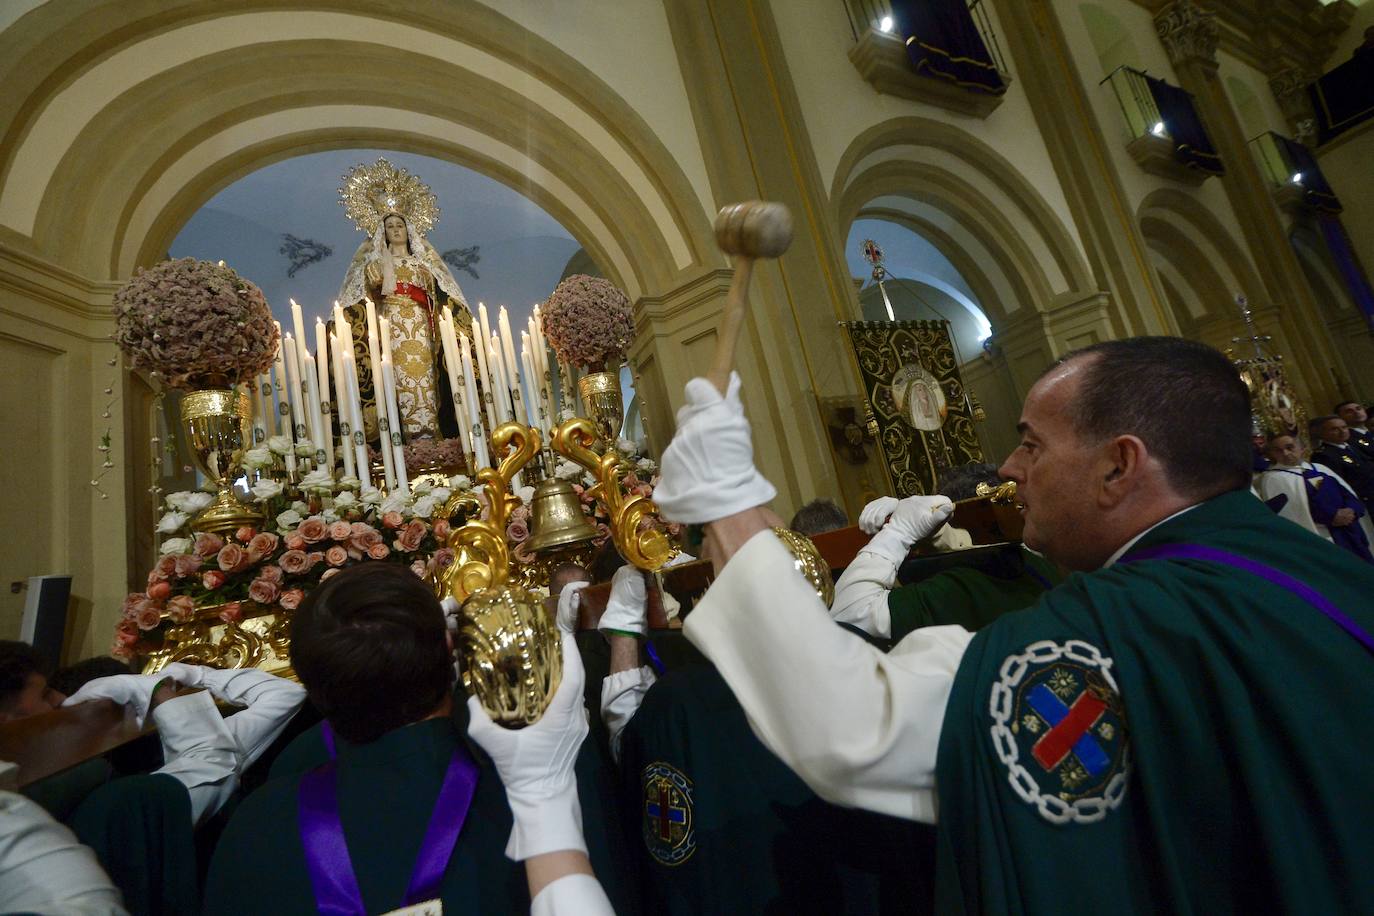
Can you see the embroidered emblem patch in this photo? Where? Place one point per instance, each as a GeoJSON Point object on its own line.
{"type": "Point", "coordinates": [669, 833]}
{"type": "Point", "coordinates": [1060, 727]}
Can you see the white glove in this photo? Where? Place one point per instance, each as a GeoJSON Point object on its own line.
{"type": "Point", "coordinates": [132, 690]}
{"type": "Point", "coordinates": [569, 603]}
{"type": "Point", "coordinates": [536, 765]}
{"type": "Point", "coordinates": [628, 604]}
{"type": "Point", "coordinates": [708, 469]}
{"type": "Point", "coordinates": [183, 674]}
{"type": "Point", "coordinates": [915, 519]}
{"type": "Point", "coordinates": [874, 515]}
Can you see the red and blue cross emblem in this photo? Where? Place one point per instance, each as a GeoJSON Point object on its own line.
{"type": "Point", "coordinates": [666, 824]}
{"type": "Point", "coordinates": [1072, 724]}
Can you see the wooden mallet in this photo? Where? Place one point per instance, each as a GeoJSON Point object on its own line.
{"type": "Point", "coordinates": [750, 230]}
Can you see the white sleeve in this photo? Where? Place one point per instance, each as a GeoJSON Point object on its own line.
{"type": "Point", "coordinates": [43, 869]}
{"type": "Point", "coordinates": [271, 701]}
{"type": "Point", "coordinates": [621, 694]}
{"type": "Point", "coordinates": [572, 895]}
{"type": "Point", "coordinates": [861, 594]}
{"type": "Point", "coordinates": [199, 751]}
{"type": "Point", "coordinates": [859, 727]}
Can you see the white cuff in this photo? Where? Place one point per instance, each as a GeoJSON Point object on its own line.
{"type": "Point", "coordinates": [622, 692]}
{"type": "Point", "coordinates": [545, 824]}
{"type": "Point", "coordinates": [889, 544]}
{"type": "Point", "coordinates": [572, 895]}
{"type": "Point", "coordinates": [861, 594]}
{"type": "Point", "coordinates": [198, 750]}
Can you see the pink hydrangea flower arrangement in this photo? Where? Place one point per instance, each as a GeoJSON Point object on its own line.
{"type": "Point", "coordinates": [194, 324]}
{"type": "Point", "coordinates": [588, 322]}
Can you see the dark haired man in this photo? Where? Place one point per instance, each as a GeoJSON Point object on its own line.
{"type": "Point", "coordinates": [392, 772]}
{"type": "Point", "coordinates": [818, 517]}
{"type": "Point", "coordinates": [1143, 738]}
{"type": "Point", "coordinates": [1357, 418]}
{"type": "Point", "coordinates": [1331, 447]}
{"type": "Point", "coordinates": [24, 688]}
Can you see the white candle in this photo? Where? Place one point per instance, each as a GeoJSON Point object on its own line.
{"type": "Point", "coordinates": [501, 393]}
{"type": "Point", "coordinates": [345, 422]}
{"type": "Point", "coordinates": [508, 351]}
{"type": "Point", "coordinates": [451, 363]}
{"type": "Point", "coordinates": [293, 388]}
{"type": "Point", "coordinates": [262, 413]}
{"type": "Point", "coordinates": [532, 420]}
{"type": "Point", "coordinates": [326, 406]}
{"type": "Point", "coordinates": [355, 414]}
{"type": "Point", "coordinates": [545, 373]}
{"type": "Point", "coordinates": [315, 411]}
{"type": "Point", "coordinates": [484, 365]}
{"type": "Point", "coordinates": [374, 353]}
{"type": "Point", "coordinates": [397, 453]}
{"type": "Point", "coordinates": [479, 443]}
{"type": "Point", "coordinates": [298, 323]}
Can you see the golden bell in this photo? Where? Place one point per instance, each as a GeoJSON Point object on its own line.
{"type": "Point", "coordinates": [556, 517]}
{"type": "Point", "coordinates": [511, 654]}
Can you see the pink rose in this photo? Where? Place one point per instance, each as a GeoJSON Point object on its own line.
{"type": "Point", "coordinates": [126, 637]}
{"type": "Point", "coordinates": [418, 567]}
{"type": "Point", "coordinates": [378, 551]}
{"type": "Point", "coordinates": [336, 556]}
{"type": "Point", "coordinates": [365, 540]}
{"type": "Point", "coordinates": [522, 553]}
{"type": "Point", "coordinates": [314, 557]}
{"type": "Point", "coordinates": [272, 574]}
{"type": "Point", "coordinates": [212, 579]}
{"type": "Point", "coordinates": [121, 652]}
{"type": "Point", "coordinates": [159, 590]}
{"type": "Point", "coordinates": [443, 558]}
{"type": "Point", "coordinates": [187, 565]}
{"type": "Point", "coordinates": [207, 545]}
{"type": "Point", "coordinates": [295, 542]}
{"type": "Point", "coordinates": [411, 535]}
{"type": "Point", "coordinates": [517, 532]}
{"type": "Point", "coordinates": [155, 577]}
{"type": "Point", "coordinates": [328, 573]}
{"type": "Point", "coordinates": [340, 531]}
{"type": "Point", "coordinates": [442, 528]}
{"type": "Point", "coordinates": [358, 529]}
{"type": "Point", "coordinates": [313, 529]}
{"type": "Point", "coordinates": [244, 534]}
{"type": "Point", "coordinates": [392, 519]}
{"type": "Point", "coordinates": [291, 599]}
{"type": "Point", "coordinates": [293, 562]}
{"type": "Point", "coordinates": [520, 514]}
{"type": "Point", "coordinates": [263, 591]}
{"type": "Point", "coordinates": [149, 618]}
{"type": "Point", "coordinates": [263, 544]}
{"type": "Point", "coordinates": [131, 604]}
{"type": "Point", "coordinates": [231, 612]}
{"type": "Point", "coordinates": [165, 566]}
{"type": "Point", "coordinates": [181, 608]}
{"type": "Point", "coordinates": [232, 558]}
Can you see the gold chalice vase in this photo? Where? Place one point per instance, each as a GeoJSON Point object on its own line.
{"type": "Point", "coordinates": [217, 423]}
{"type": "Point", "coordinates": [605, 407]}
{"type": "Point", "coordinates": [511, 654]}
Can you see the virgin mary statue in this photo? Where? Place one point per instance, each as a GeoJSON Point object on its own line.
{"type": "Point", "coordinates": [403, 276]}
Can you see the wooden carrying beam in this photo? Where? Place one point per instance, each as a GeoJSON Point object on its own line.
{"type": "Point", "coordinates": [53, 742]}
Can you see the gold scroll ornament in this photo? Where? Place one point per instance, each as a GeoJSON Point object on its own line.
{"type": "Point", "coordinates": [509, 649]}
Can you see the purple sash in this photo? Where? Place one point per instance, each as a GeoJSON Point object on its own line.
{"type": "Point", "coordinates": [326, 851]}
{"type": "Point", "coordinates": [1254, 567]}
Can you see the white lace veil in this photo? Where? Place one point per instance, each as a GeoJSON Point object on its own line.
{"type": "Point", "coordinates": [354, 287]}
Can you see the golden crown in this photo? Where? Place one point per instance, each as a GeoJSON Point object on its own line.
{"type": "Point", "coordinates": [370, 192]}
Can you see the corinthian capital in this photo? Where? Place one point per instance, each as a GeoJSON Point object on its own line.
{"type": "Point", "coordinates": [1189, 32]}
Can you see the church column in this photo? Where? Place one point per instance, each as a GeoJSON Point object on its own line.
{"type": "Point", "coordinates": [1111, 236]}
{"type": "Point", "coordinates": [755, 144]}
{"type": "Point", "coordinates": [1189, 34]}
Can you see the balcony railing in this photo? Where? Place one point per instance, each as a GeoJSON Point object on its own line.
{"type": "Point", "coordinates": [1293, 173]}
{"type": "Point", "coordinates": [961, 70]}
{"type": "Point", "coordinates": [1166, 136]}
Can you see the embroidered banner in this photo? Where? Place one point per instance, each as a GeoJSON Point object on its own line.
{"type": "Point", "coordinates": [942, 41]}
{"type": "Point", "coordinates": [913, 387]}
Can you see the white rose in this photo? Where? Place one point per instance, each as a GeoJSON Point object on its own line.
{"type": "Point", "coordinates": [568, 470]}
{"type": "Point", "coordinates": [396, 502]}
{"type": "Point", "coordinates": [266, 489]}
{"type": "Point", "coordinates": [305, 450]}
{"type": "Point", "coordinates": [525, 494]}
{"type": "Point", "coordinates": [172, 522]}
{"type": "Point", "coordinates": [318, 481]}
{"type": "Point", "coordinates": [344, 500]}
{"type": "Point", "coordinates": [625, 446]}
{"type": "Point", "coordinates": [442, 494]}
{"type": "Point", "coordinates": [279, 445]}
{"type": "Point", "coordinates": [421, 487]}
{"type": "Point", "coordinates": [371, 496]}
{"type": "Point", "coordinates": [289, 519]}
{"type": "Point", "coordinates": [425, 507]}
{"type": "Point", "coordinates": [189, 501]}
{"type": "Point", "coordinates": [646, 464]}
{"type": "Point", "coordinates": [329, 516]}
{"type": "Point", "coordinates": [176, 545]}
{"type": "Point", "coordinates": [350, 483]}
{"type": "Point", "coordinates": [257, 459]}
{"type": "Point", "coordinates": [461, 482]}
{"type": "Point", "coordinates": [301, 507]}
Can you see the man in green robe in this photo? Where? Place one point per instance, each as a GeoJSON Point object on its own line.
{"type": "Point", "coordinates": [1182, 726]}
{"type": "Point", "coordinates": [372, 650]}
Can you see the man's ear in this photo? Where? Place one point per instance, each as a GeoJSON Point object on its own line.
{"type": "Point", "coordinates": [1123, 460]}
